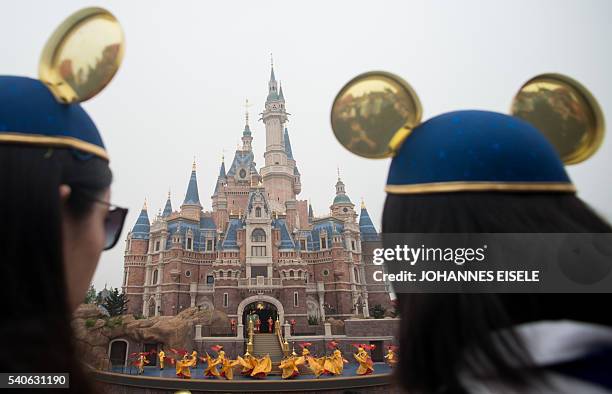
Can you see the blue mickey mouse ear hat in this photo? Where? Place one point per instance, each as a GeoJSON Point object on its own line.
{"type": "Point", "coordinates": [78, 61]}
{"type": "Point", "coordinates": [554, 120]}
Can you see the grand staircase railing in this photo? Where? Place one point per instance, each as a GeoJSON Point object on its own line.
{"type": "Point", "coordinates": [283, 341]}
{"type": "Point", "coordinates": [250, 340]}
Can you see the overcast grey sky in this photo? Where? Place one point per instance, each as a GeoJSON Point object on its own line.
{"type": "Point", "coordinates": [189, 66]}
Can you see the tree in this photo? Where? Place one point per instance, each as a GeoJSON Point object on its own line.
{"type": "Point", "coordinates": [115, 303]}
{"type": "Point", "coordinates": [90, 297]}
{"type": "Point", "coordinates": [377, 311]}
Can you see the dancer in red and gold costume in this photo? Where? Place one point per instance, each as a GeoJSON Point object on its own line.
{"type": "Point", "coordinates": [391, 356]}
{"type": "Point", "coordinates": [263, 367]}
{"type": "Point", "coordinates": [184, 364]}
{"type": "Point", "coordinates": [248, 363]}
{"type": "Point", "coordinates": [162, 358]}
{"type": "Point", "coordinates": [366, 366]}
{"type": "Point", "coordinates": [289, 365]}
{"type": "Point", "coordinates": [334, 364]}
{"type": "Point", "coordinates": [141, 361]}
{"type": "Point", "coordinates": [314, 364]}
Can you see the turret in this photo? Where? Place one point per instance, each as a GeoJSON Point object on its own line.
{"type": "Point", "coordinates": [167, 208]}
{"type": "Point", "coordinates": [342, 207]}
{"type": "Point", "coordinates": [191, 207]}
{"type": "Point", "coordinates": [366, 227]}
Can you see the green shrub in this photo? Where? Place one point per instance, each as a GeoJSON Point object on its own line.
{"type": "Point", "coordinates": [377, 311]}
{"type": "Point", "coordinates": [89, 323]}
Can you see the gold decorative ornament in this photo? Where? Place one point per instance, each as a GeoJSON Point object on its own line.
{"type": "Point", "coordinates": [565, 112]}
{"type": "Point", "coordinates": [374, 113]}
{"type": "Point", "coordinates": [82, 55]}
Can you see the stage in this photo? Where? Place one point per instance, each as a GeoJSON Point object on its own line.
{"type": "Point", "coordinates": [156, 381]}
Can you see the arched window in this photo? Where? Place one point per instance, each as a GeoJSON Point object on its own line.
{"type": "Point", "coordinates": [258, 212]}
{"type": "Point", "coordinates": [258, 235]}
{"type": "Point", "coordinates": [155, 277]}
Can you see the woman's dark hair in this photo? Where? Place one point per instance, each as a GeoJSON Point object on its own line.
{"type": "Point", "coordinates": [35, 326]}
{"type": "Point", "coordinates": [437, 329]}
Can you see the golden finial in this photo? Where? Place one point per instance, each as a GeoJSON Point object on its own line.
{"type": "Point", "coordinates": [193, 166]}
{"type": "Point", "coordinates": [246, 111]}
{"type": "Point", "coordinates": [362, 203]}
{"type": "Point", "coordinates": [144, 206]}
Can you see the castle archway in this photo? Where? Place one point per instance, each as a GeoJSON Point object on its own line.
{"type": "Point", "coordinates": [271, 308]}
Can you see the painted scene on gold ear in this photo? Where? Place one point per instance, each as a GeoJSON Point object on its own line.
{"type": "Point", "coordinates": [565, 112]}
{"type": "Point", "coordinates": [373, 113]}
{"type": "Point", "coordinates": [82, 55]}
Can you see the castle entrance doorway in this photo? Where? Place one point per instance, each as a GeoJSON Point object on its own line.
{"type": "Point", "coordinates": [264, 311]}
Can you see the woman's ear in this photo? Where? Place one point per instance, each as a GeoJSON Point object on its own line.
{"type": "Point", "coordinates": [64, 193]}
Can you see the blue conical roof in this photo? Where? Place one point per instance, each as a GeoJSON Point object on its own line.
{"type": "Point", "coordinates": [143, 226]}
{"type": "Point", "coordinates": [168, 208]}
{"type": "Point", "coordinates": [192, 196]}
{"type": "Point", "coordinates": [310, 213]}
{"type": "Point", "coordinates": [288, 150]}
{"type": "Point", "coordinates": [222, 169]}
{"type": "Point", "coordinates": [366, 227]}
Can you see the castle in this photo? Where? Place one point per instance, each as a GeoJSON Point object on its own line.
{"type": "Point", "coordinates": [260, 250]}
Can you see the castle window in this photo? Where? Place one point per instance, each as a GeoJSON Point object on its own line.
{"type": "Point", "coordinates": [325, 272]}
{"type": "Point", "coordinates": [323, 242]}
{"type": "Point", "coordinates": [125, 276]}
{"type": "Point", "coordinates": [258, 235]}
{"type": "Point", "coordinates": [209, 245]}
{"type": "Point", "coordinates": [157, 243]}
{"type": "Point", "coordinates": [302, 244]}
{"type": "Point", "coordinates": [220, 274]}
{"type": "Point", "coordinates": [155, 277]}
{"type": "Point", "coordinates": [189, 244]}
{"type": "Point", "coordinates": [187, 273]}
{"type": "Point", "coordinates": [356, 275]}
{"type": "Point", "coordinates": [295, 299]}
{"type": "Point", "coordinates": [225, 300]}
{"type": "Point", "coordinates": [210, 279]}
{"type": "Point", "coordinates": [353, 245]}
{"type": "Point", "coordinates": [258, 250]}
{"type": "Point", "coordinates": [258, 212]}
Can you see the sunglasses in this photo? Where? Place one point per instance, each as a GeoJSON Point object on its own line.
{"type": "Point", "coordinates": [113, 223]}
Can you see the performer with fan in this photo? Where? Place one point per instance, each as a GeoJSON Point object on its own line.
{"type": "Point", "coordinates": [289, 365]}
{"type": "Point", "coordinates": [366, 366]}
{"type": "Point", "coordinates": [263, 367]}
{"type": "Point", "coordinates": [391, 356]}
{"type": "Point", "coordinates": [141, 361]}
{"type": "Point", "coordinates": [314, 364]}
{"type": "Point", "coordinates": [162, 357]}
{"type": "Point", "coordinates": [248, 363]}
{"type": "Point", "coordinates": [334, 364]}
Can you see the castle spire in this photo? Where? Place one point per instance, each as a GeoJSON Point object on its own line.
{"type": "Point", "coordinates": [168, 207]}
{"type": "Point", "coordinates": [142, 226]}
{"type": "Point", "coordinates": [281, 96]}
{"type": "Point", "coordinates": [366, 227]}
{"type": "Point", "coordinates": [288, 149]}
{"type": "Point", "coordinates": [192, 196]}
{"type": "Point", "coordinates": [272, 84]}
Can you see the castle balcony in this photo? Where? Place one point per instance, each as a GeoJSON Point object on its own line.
{"type": "Point", "coordinates": [315, 287]}
{"type": "Point", "coordinates": [201, 288]}
{"type": "Point", "coordinates": [259, 283]}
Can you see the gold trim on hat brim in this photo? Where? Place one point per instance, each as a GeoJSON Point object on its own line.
{"type": "Point", "coordinates": [446, 187]}
{"type": "Point", "coordinates": [58, 141]}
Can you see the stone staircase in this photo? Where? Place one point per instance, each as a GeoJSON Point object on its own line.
{"type": "Point", "coordinates": [267, 344]}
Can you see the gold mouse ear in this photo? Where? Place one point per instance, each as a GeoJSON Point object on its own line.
{"type": "Point", "coordinates": [373, 114]}
{"type": "Point", "coordinates": [82, 55]}
{"type": "Point", "coordinates": [565, 111]}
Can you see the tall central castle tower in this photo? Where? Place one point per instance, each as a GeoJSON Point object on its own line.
{"type": "Point", "coordinates": [280, 175]}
